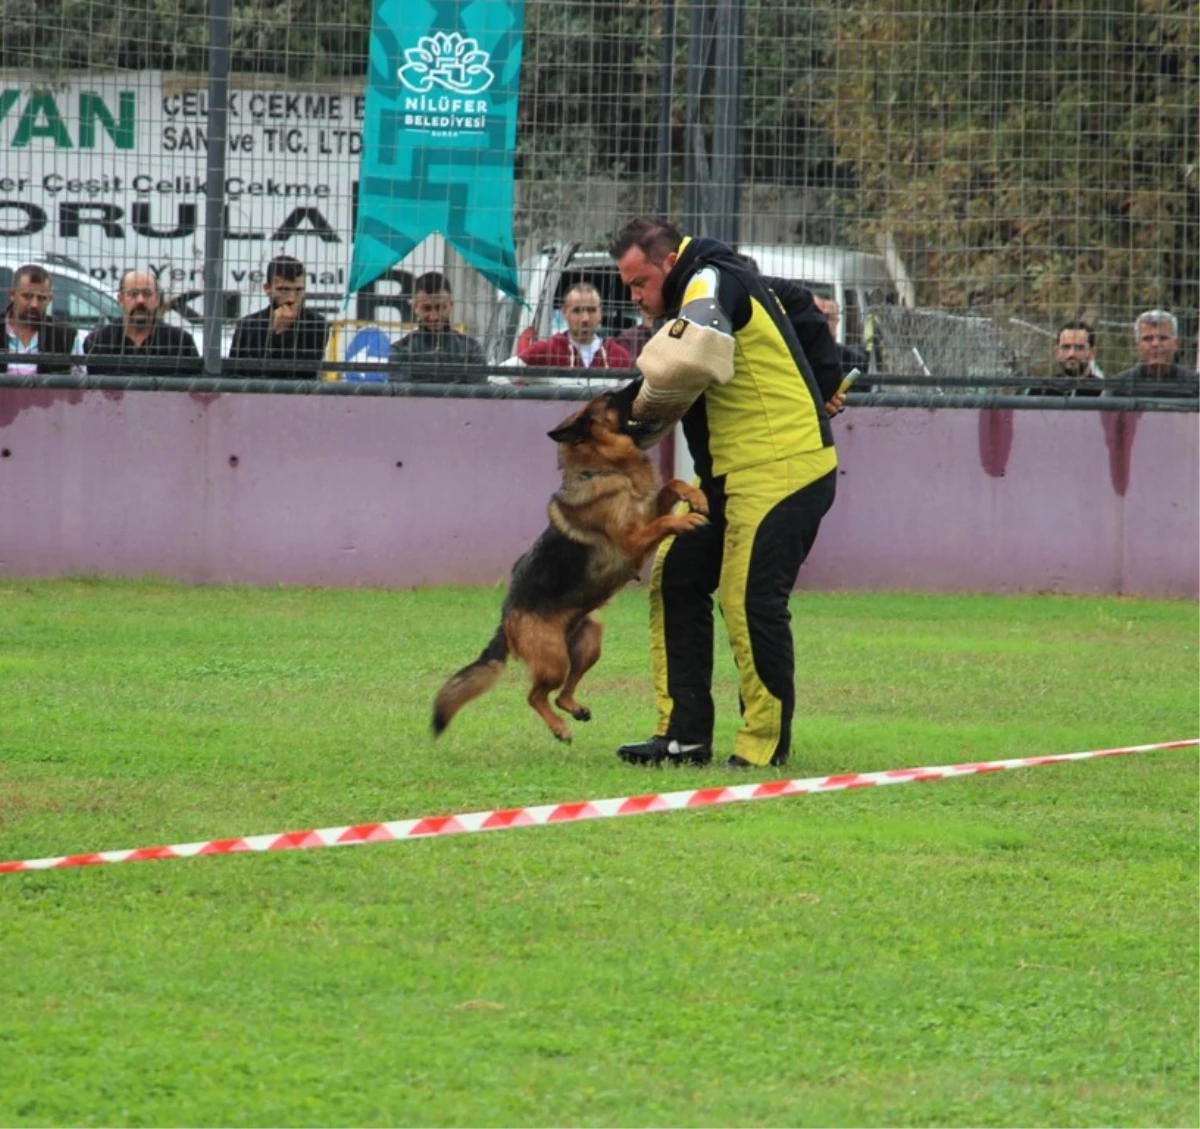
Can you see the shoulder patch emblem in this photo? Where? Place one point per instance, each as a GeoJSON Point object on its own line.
{"type": "Point", "coordinates": [679, 328]}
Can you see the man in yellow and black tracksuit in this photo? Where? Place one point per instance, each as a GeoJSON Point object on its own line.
{"type": "Point", "coordinates": [760, 439]}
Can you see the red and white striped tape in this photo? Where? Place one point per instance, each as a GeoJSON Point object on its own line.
{"type": "Point", "coordinates": [503, 818]}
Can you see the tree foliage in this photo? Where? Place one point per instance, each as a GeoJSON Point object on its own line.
{"type": "Point", "coordinates": [1036, 156]}
{"type": "Point", "coordinates": [302, 39]}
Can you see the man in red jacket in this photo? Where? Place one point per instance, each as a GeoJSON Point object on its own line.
{"type": "Point", "coordinates": [581, 346]}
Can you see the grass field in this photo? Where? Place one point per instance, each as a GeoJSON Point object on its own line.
{"type": "Point", "coordinates": [1013, 949]}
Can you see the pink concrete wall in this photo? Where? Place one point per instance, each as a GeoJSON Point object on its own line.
{"type": "Point", "coordinates": [388, 492]}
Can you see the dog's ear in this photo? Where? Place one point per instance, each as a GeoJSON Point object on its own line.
{"type": "Point", "coordinates": [573, 430]}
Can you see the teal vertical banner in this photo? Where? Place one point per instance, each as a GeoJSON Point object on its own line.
{"type": "Point", "coordinates": [439, 135]}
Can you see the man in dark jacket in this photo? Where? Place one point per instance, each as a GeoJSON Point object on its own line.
{"type": "Point", "coordinates": [435, 350]}
{"type": "Point", "coordinates": [285, 335]}
{"type": "Point", "coordinates": [1074, 360]}
{"type": "Point", "coordinates": [30, 329]}
{"type": "Point", "coordinates": [140, 345]}
{"type": "Point", "coordinates": [1156, 333]}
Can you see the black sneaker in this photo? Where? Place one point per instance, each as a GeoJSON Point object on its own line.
{"type": "Point", "coordinates": [659, 749]}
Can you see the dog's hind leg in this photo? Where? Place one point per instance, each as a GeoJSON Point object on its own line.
{"type": "Point", "coordinates": [583, 646]}
{"type": "Point", "coordinates": [543, 646]}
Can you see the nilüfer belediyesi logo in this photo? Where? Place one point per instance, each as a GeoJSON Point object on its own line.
{"type": "Point", "coordinates": [456, 64]}
{"type": "Point", "coordinates": [449, 61]}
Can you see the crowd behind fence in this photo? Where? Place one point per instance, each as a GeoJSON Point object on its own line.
{"type": "Point", "coordinates": [962, 181]}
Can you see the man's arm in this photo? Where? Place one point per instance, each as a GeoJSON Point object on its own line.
{"type": "Point", "coordinates": [239, 347]}
{"type": "Point", "coordinates": [473, 352]}
{"type": "Point", "coordinates": [812, 330]}
{"type": "Point", "coordinates": [77, 351]}
{"type": "Point", "coordinates": [542, 353]}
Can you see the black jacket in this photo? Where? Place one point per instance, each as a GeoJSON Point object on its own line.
{"type": "Point", "coordinates": [303, 346]}
{"type": "Point", "coordinates": [446, 348]}
{"type": "Point", "coordinates": [110, 353]}
{"type": "Point", "coordinates": [54, 336]}
{"type": "Point", "coordinates": [1176, 374]}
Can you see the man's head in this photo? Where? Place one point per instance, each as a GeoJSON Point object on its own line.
{"type": "Point", "coordinates": [30, 296]}
{"type": "Point", "coordinates": [138, 298]}
{"type": "Point", "coordinates": [1157, 336]}
{"type": "Point", "coordinates": [581, 308]}
{"type": "Point", "coordinates": [645, 251]}
{"type": "Point", "coordinates": [1075, 349]}
{"type": "Point", "coordinates": [832, 311]}
{"type": "Point", "coordinates": [433, 305]}
{"type": "Point", "coordinates": [285, 281]}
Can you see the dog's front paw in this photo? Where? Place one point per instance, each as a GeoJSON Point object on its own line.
{"type": "Point", "coordinates": [685, 523]}
{"type": "Point", "coordinates": [697, 501]}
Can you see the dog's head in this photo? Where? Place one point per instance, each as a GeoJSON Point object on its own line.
{"type": "Point", "coordinates": [594, 440]}
{"type": "Point", "coordinates": [605, 416]}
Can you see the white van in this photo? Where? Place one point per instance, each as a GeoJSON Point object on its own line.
{"type": "Point", "coordinates": [857, 280]}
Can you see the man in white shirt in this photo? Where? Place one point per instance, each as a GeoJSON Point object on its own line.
{"type": "Point", "coordinates": [30, 330]}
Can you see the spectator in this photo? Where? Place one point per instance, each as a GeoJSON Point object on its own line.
{"type": "Point", "coordinates": [435, 341]}
{"type": "Point", "coordinates": [1156, 334]}
{"type": "Point", "coordinates": [633, 338]}
{"type": "Point", "coordinates": [284, 330]}
{"type": "Point", "coordinates": [582, 345]}
{"type": "Point", "coordinates": [849, 356]}
{"type": "Point", "coordinates": [126, 348]}
{"type": "Point", "coordinates": [30, 329]}
{"type": "Point", "coordinates": [758, 431]}
{"type": "Point", "coordinates": [1075, 360]}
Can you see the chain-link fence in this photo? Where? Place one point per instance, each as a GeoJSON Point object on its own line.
{"type": "Point", "coordinates": [962, 177]}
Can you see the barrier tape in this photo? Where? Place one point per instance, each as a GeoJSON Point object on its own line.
{"type": "Point", "coordinates": [504, 818]}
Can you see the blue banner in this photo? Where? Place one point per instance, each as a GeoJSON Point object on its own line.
{"type": "Point", "coordinates": [439, 135]}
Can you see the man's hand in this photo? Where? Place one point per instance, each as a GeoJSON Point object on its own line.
{"type": "Point", "coordinates": [283, 317]}
{"type": "Point", "coordinates": [835, 403]}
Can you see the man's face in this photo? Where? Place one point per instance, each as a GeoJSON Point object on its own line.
{"type": "Point", "coordinates": [139, 299]}
{"type": "Point", "coordinates": [645, 279]}
{"type": "Point", "coordinates": [831, 310]}
{"type": "Point", "coordinates": [285, 291]}
{"type": "Point", "coordinates": [433, 311]}
{"type": "Point", "coordinates": [1156, 345]}
{"type": "Point", "coordinates": [582, 311]}
{"type": "Point", "coordinates": [30, 301]}
{"type": "Point", "coordinates": [1073, 353]}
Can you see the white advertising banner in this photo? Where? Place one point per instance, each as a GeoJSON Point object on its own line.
{"type": "Point", "coordinates": [109, 171]}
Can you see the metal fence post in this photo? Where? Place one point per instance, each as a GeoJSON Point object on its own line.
{"type": "Point", "coordinates": [214, 207]}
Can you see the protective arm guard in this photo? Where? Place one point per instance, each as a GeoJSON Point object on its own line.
{"type": "Point", "coordinates": [683, 359]}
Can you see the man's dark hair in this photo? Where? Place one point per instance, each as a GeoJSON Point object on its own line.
{"type": "Point", "coordinates": [31, 273]}
{"type": "Point", "coordinates": [285, 267]}
{"type": "Point", "coordinates": [1078, 323]}
{"type": "Point", "coordinates": [656, 239]}
{"type": "Point", "coordinates": [432, 282]}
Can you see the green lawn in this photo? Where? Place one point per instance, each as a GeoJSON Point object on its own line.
{"type": "Point", "coordinates": [1012, 949]}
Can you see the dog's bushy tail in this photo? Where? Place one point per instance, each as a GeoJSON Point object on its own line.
{"type": "Point", "coordinates": [469, 683]}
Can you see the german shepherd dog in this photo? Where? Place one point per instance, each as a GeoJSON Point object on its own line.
{"type": "Point", "coordinates": [605, 518]}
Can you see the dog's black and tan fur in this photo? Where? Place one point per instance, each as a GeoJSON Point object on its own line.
{"type": "Point", "coordinates": [605, 519]}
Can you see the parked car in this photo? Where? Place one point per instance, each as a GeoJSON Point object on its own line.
{"type": "Point", "coordinates": [857, 279]}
